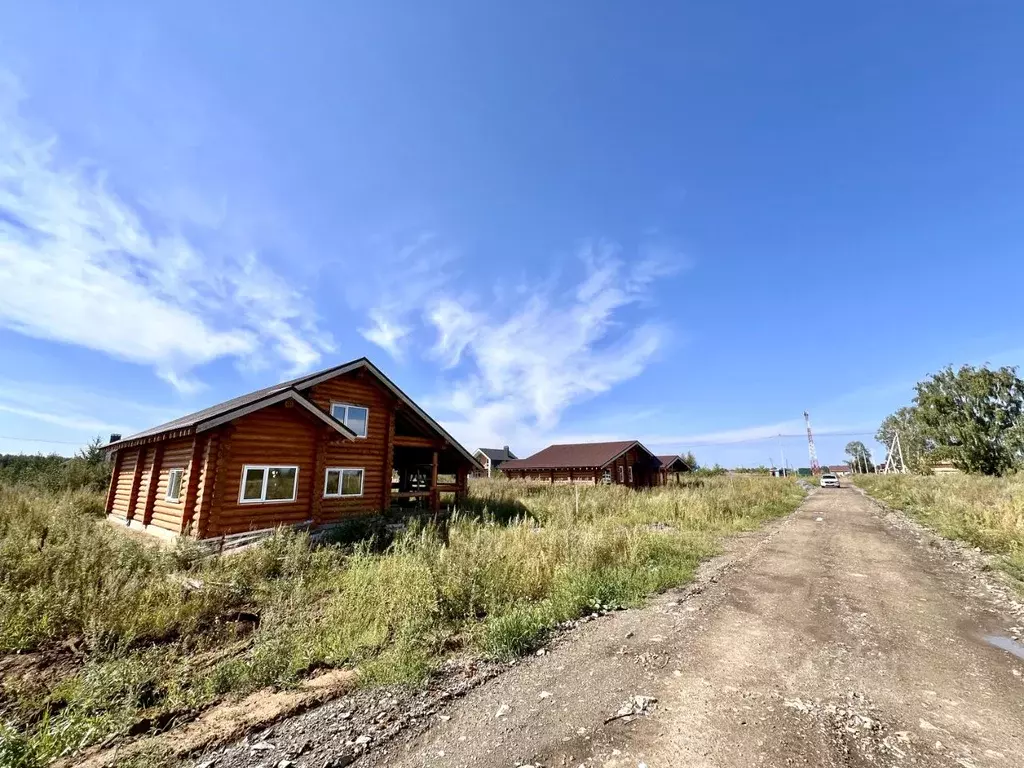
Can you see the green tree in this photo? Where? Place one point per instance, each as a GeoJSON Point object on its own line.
{"type": "Point", "coordinates": [974, 414]}
{"type": "Point", "coordinates": [690, 460]}
{"type": "Point", "coordinates": [860, 456]}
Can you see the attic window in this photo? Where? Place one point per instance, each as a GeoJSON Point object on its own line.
{"type": "Point", "coordinates": [355, 417]}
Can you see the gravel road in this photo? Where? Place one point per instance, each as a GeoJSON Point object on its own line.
{"type": "Point", "coordinates": [841, 636]}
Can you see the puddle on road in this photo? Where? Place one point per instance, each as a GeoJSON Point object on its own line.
{"type": "Point", "coordinates": [1017, 649]}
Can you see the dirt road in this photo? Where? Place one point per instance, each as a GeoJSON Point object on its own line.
{"type": "Point", "coordinates": [835, 639]}
{"type": "Point", "coordinates": [840, 636]}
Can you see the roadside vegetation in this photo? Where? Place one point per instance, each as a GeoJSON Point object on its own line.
{"type": "Point", "coordinates": [971, 417]}
{"type": "Point", "coordinates": [104, 635]}
{"type": "Point", "coordinates": [984, 512]}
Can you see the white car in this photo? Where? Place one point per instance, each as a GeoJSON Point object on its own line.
{"type": "Point", "coordinates": [829, 480]}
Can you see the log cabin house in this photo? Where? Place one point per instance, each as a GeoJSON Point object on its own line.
{"type": "Point", "coordinates": [340, 443]}
{"type": "Point", "coordinates": [625, 462]}
{"type": "Point", "coordinates": [491, 459]}
{"type": "Point", "coordinates": [672, 468]}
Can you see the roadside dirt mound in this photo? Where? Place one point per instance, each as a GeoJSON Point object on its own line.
{"type": "Point", "coordinates": [225, 722]}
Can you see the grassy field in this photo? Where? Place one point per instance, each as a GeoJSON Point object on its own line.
{"type": "Point", "coordinates": [985, 512]}
{"type": "Point", "coordinates": [103, 635]}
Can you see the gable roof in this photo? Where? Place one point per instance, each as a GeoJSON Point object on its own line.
{"type": "Point", "coordinates": [291, 390]}
{"type": "Point", "coordinates": [497, 454]}
{"type": "Point", "coordinates": [668, 461]}
{"type": "Point", "coordinates": [582, 455]}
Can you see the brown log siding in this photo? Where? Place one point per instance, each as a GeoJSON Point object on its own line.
{"type": "Point", "coordinates": [368, 454]}
{"type": "Point", "coordinates": [139, 511]}
{"type": "Point", "coordinates": [167, 514]}
{"type": "Point", "coordinates": [274, 436]}
{"type": "Point", "coordinates": [123, 480]}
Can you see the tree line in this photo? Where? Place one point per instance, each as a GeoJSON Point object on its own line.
{"type": "Point", "coordinates": [89, 468]}
{"type": "Point", "coordinates": [971, 416]}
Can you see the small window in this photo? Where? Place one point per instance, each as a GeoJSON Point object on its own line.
{"type": "Point", "coordinates": [174, 485]}
{"type": "Point", "coordinates": [630, 471]}
{"type": "Point", "coordinates": [341, 481]}
{"type": "Point", "coordinates": [268, 484]}
{"type": "Point", "coordinates": [355, 417]}
{"type": "Point", "coordinates": [622, 472]}
{"type": "Point", "coordinates": [606, 478]}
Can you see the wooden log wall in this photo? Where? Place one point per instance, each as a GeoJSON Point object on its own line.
{"type": "Point", "coordinates": [177, 454]}
{"type": "Point", "coordinates": [278, 436]}
{"type": "Point", "coordinates": [371, 454]}
{"type": "Point", "coordinates": [194, 523]}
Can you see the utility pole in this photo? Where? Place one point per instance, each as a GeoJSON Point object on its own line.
{"type": "Point", "coordinates": [815, 466]}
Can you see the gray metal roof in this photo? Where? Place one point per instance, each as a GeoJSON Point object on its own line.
{"type": "Point", "coordinates": [497, 454]}
{"type": "Point", "coordinates": [268, 395]}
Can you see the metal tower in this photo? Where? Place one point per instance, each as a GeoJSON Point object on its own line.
{"type": "Point", "coordinates": [894, 463]}
{"type": "Point", "coordinates": [815, 466]}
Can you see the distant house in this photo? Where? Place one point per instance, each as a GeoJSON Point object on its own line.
{"type": "Point", "coordinates": [626, 462]}
{"type": "Point", "coordinates": [672, 467]}
{"type": "Point", "coordinates": [840, 469]}
{"type": "Point", "coordinates": [339, 443]}
{"type": "Point", "coordinates": [492, 458]}
{"type": "Point", "coordinates": [945, 468]}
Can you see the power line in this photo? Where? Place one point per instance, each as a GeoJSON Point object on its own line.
{"type": "Point", "coordinates": [41, 440]}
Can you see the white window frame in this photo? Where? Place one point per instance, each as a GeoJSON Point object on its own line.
{"type": "Point", "coordinates": [344, 421]}
{"type": "Point", "coordinates": [180, 472]}
{"type": "Point", "coordinates": [622, 474]}
{"type": "Point", "coordinates": [341, 475]}
{"type": "Point", "coordinates": [606, 477]}
{"type": "Point", "coordinates": [266, 478]}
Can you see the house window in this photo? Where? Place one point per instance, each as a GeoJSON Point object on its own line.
{"type": "Point", "coordinates": [340, 481]}
{"type": "Point", "coordinates": [174, 485]}
{"type": "Point", "coordinates": [606, 477]}
{"type": "Point", "coordinates": [630, 471]}
{"type": "Point", "coordinates": [622, 472]}
{"type": "Point", "coordinates": [268, 484]}
{"type": "Point", "coordinates": [354, 417]}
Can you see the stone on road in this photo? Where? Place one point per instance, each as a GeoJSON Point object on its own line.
{"type": "Point", "coordinates": [834, 638]}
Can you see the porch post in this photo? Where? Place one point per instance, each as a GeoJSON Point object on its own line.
{"type": "Point", "coordinates": [389, 462]}
{"type": "Point", "coordinates": [435, 497]}
{"type": "Point", "coordinates": [460, 481]}
{"type": "Point", "coordinates": [319, 471]}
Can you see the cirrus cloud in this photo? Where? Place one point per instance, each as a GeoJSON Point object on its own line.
{"type": "Point", "coordinates": [83, 266]}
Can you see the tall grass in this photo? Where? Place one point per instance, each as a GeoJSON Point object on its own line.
{"type": "Point", "coordinates": [985, 512]}
{"type": "Point", "coordinates": [161, 630]}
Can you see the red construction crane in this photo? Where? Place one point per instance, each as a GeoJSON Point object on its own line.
{"type": "Point", "coordinates": [815, 466]}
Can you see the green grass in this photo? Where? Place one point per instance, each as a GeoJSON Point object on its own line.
{"type": "Point", "coordinates": [160, 632]}
{"type": "Point", "coordinates": [984, 512]}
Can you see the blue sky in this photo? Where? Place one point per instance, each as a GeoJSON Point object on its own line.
{"type": "Point", "coordinates": [680, 222]}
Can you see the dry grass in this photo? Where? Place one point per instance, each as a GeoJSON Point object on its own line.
{"type": "Point", "coordinates": [160, 632]}
{"type": "Point", "coordinates": [984, 512]}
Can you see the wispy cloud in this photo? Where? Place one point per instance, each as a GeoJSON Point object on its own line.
{"type": "Point", "coordinates": [83, 266]}
{"type": "Point", "coordinates": [514, 364]}
{"type": "Point", "coordinates": [403, 280]}
{"type": "Point", "coordinates": [77, 410]}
